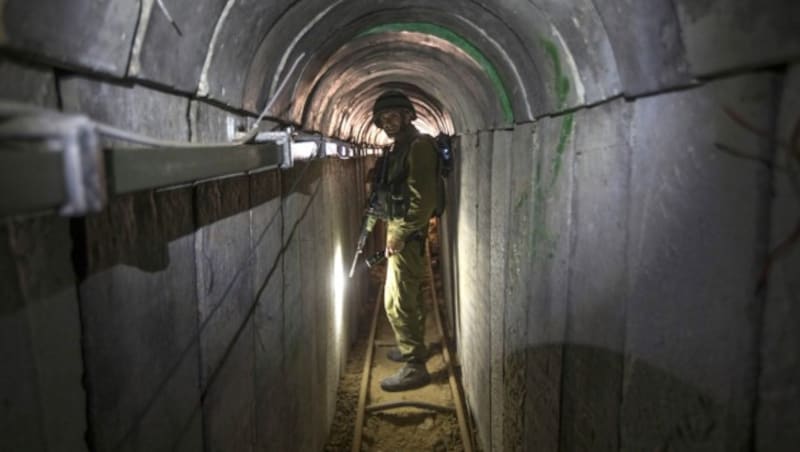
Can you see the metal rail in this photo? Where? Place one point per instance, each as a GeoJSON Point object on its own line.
{"type": "Point", "coordinates": [466, 438]}
{"type": "Point", "coordinates": [365, 376]}
{"type": "Point", "coordinates": [408, 404]}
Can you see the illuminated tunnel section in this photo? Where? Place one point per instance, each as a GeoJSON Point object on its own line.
{"type": "Point", "coordinates": [617, 253]}
{"type": "Point", "coordinates": [438, 36]}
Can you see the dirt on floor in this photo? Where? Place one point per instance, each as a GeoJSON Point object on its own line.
{"type": "Point", "coordinates": [341, 436]}
{"type": "Point", "coordinates": [404, 429]}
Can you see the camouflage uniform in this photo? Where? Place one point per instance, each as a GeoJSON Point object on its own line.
{"type": "Point", "coordinates": [413, 165]}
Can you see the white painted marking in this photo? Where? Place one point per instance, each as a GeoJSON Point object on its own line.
{"type": "Point", "coordinates": [508, 60]}
{"type": "Point", "coordinates": [294, 42]}
{"type": "Point", "coordinates": [202, 88]}
{"type": "Point", "coordinates": [138, 41]}
{"type": "Point", "coordinates": [576, 75]}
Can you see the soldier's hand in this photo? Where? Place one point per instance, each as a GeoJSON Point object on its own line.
{"type": "Point", "coordinates": [394, 246]}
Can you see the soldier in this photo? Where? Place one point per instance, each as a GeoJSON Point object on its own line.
{"type": "Point", "coordinates": [411, 178]}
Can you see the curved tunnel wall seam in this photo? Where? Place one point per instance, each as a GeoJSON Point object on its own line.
{"type": "Point", "coordinates": [295, 41]}
{"type": "Point", "coordinates": [371, 79]}
{"type": "Point", "coordinates": [462, 43]}
{"type": "Point", "coordinates": [511, 64]}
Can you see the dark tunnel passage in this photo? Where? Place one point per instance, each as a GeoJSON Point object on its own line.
{"type": "Point", "coordinates": [620, 246]}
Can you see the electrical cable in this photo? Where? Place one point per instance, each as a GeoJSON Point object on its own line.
{"type": "Point", "coordinates": [169, 17]}
{"type": "Point", "coordinates": [113, 132]}
{"type": "Point", "coordinates": [254, 130]}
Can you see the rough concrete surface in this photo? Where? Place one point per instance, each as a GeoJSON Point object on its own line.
{"type": "Point", "coordinates": [80, 33]}
{"type": "Point", "coordinates": [210, 124]}
{"type": "Point", "coordinates": [646, 38]}
{"type": "Point", "coordinates": [268, 316]}
{"type": "Point", "coordinates": [26, 83]}
{"type": "Point", "coordinates": [130, 107]}
{"type": "Point", "coordinates": [601, 299]}
{"type": "Point", "coordinates": [225, 303]}
{"type": "Point", "coordinates": [224, 266]}
{"type": "Point", "coordinates": [299, 343]}
{"type": "Point", "coordinates": [481, 349]}
{"type": "Point", "coordinates": [579, 25]}
{"type": "Point", "coordinates": [597, 276]}
{"type": "Point", "coordinates": [523, 153]}
{"type": "Point", "coordinates": [139, 317]}
{"type": "Point", "coordinates": [500, 205]}
{"type": "Point", "coordinates": [42, 399]}
{"type": "Point", "coordinates": [697, 242]}
{"type": "Point", "coordinates": [229, 401]}
{"type": "Point", "coordinates": [778, 392]}
{"type": "Point", "coordinates": [469, 304]}
{"type": "Point", "coordinates": [548, 281]}
{"type": "Point", "coordinates": [725, 35]}
{"type": "Point", "coordinates": [179, 68]}
{"type": "Point", "coordinates": [235, 49]}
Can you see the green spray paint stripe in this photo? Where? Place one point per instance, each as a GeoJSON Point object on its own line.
{"type": "Point", "coordinates": [542, 239]}
{"type": "Point", "coordinates": [562, 82]}
{"type": "Point", "coordinates": [522, 199]}
{"type": "Point", "coordinates": [461, 43]}
{"type": "Point", "coordinates": [538, 224]}
{"type": "Point", "coordinates": [563, 136]}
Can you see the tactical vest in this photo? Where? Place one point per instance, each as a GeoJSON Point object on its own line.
{"type": "Point", "coordinates": [391, 196]}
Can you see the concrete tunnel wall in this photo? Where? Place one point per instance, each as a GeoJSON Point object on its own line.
{"type": "Point", "coordinates": [198, 318]}
{"type": "Point", "coordinates": [605, 238]}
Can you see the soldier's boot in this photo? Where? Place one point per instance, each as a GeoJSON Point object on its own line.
{"type": "Point", "coordinates": [411, 376]}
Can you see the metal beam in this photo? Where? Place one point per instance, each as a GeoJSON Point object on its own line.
{"type": "Point", "coordinates": [31, 179]}
{"type": "Point", "coordinates": [49, 160]}
{"type": "Point", "coordinates": [134, 169]}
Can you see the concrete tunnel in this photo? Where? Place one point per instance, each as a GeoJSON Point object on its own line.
{"type": "Point", "coordinates": [619, 250]}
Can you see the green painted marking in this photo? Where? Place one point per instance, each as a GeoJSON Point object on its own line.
{"type": "Point", "coordinates": [566, 131]}
{"type": "Point", "coordinates": [523, 197]}
{"type": "Point", "coordinates": [542, 240]}
{"type": "Point", "coordinates": [463, 44]}
{"type": "Point", "coordinates": [561, 82]}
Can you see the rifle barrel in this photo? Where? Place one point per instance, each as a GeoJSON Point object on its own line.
{"type": "Point", "coordinates": [353, 265]}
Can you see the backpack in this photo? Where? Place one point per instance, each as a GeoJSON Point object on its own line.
{"type": "Point", "coordinates": [444, 149]}
{"type": "Point", "coordinates": [444, 145]}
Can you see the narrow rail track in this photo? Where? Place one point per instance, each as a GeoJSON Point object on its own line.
{"type": "Point", "coordinates": [365, 410]}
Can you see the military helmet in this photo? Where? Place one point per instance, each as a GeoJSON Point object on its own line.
{"type": "Point", "coordinates": [389, 100]}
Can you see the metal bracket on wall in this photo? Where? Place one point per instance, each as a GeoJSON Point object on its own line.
{"type": "Point", "coordinates": [50, 161]}
{"type": "Point", "coordinates": [283, 139]}
{"type": "Point", "coordinates": [344, 150]}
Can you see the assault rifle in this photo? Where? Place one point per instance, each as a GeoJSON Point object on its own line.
{"type": "Point", "coordinates": [373, 211]}
{"type": "Point", "coordinates": [379, 256]}
{"type": "Point", "coordinates": [369, 223]}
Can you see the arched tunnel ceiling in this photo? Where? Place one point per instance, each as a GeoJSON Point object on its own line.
{"type": "Point", "coordinates": [491, 46]}
{"type": "Point", "coordinates": [449, 87]}
{"type": "Point", "coordinates": [549, 55]}
{"type": "Point", "coordinates": [527, 65]}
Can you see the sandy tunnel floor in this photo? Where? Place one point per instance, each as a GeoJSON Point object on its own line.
{"type": "Point", "coordinates": [405, 429]}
